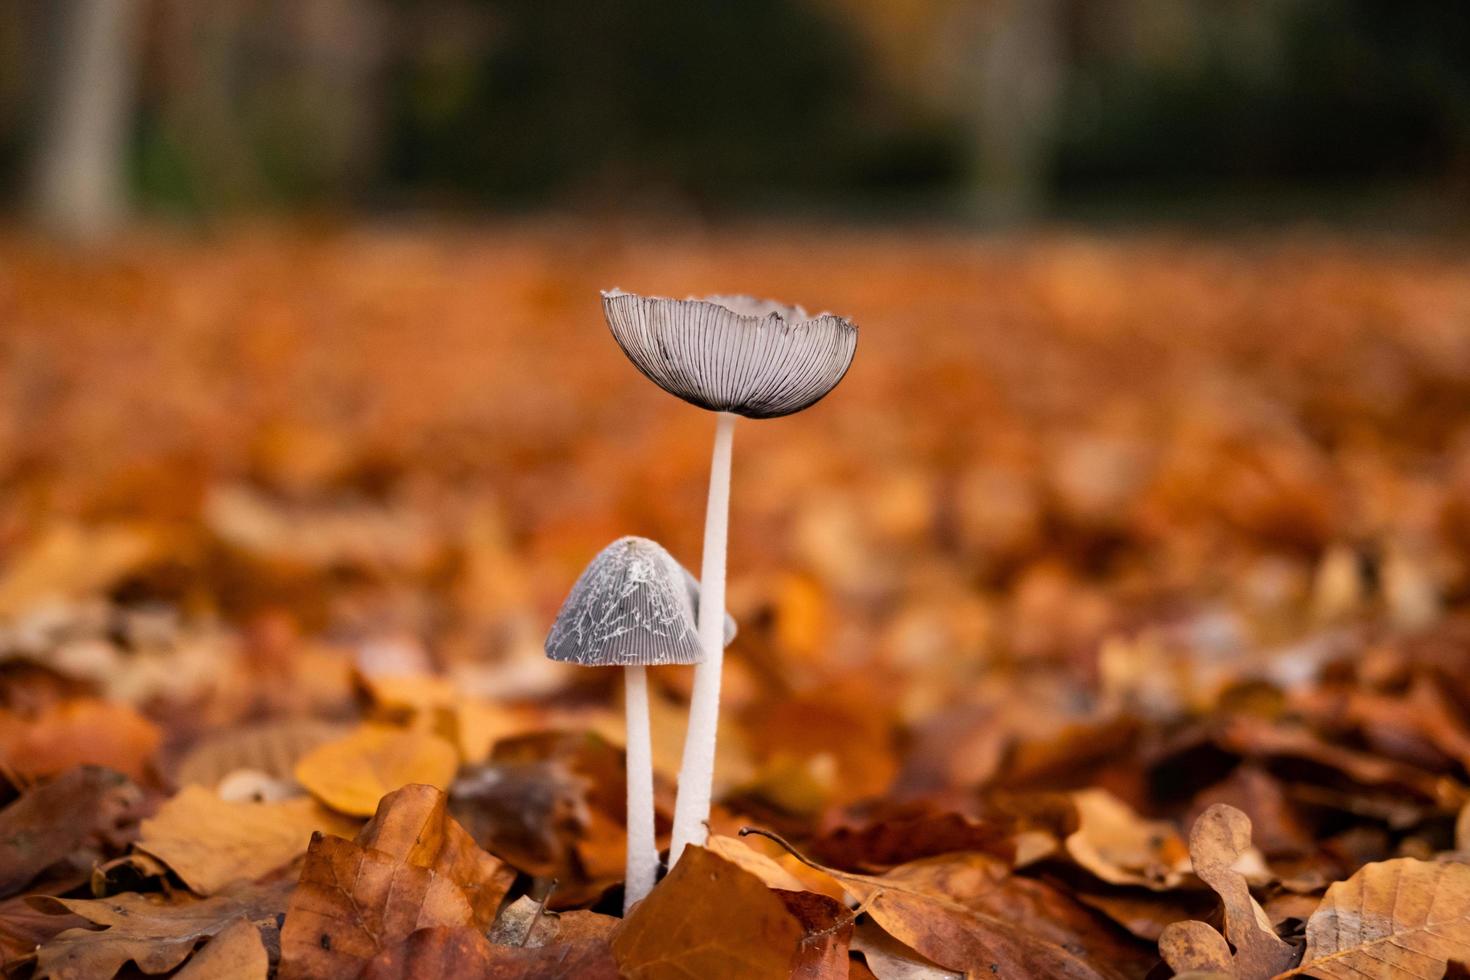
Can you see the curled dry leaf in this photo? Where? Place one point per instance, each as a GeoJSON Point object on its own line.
{"type": "Point", "coordinates": [413, 825]}
{"type": "Point", "coordinates": [1401, 918]}
{"type": "Point", "coordinates": [79, 732]}
{"type": "Point", "coordinates": [1122, 848]}
{"type": "Point", "coordinates": [352, 902]}
{"type": "Point", "coordinates": [708, 919]}
{"type": "Point", "coordinates": [888, 959]}
{"type": "Point", "coordinates": [353, 773]}
{"type": "Point", "coordinates": [743, 856]}
{"type": "Point", "coordinates": [411, 867]}
{"type": "Point", "coordinates": [155, 935]}
{"type": "Point", "coordinates": [209, 842]}
{"type": "Point", "coordinates": [24, 928]}
{"type": "Point", "coordinates": [967, 912]}
{"type": "Point", "coordinates": [48, 823]}
{"type": "Point", "coordinates": [1220, 836]}
{"type": "Point", "coordinates": [237, 953]}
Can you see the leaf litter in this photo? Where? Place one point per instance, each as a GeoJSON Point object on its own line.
{"type": "Point", "coordinates": [1118, 627]}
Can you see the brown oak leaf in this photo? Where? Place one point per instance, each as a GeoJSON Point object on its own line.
{"type": "Point", "coordinates": [155, 935]}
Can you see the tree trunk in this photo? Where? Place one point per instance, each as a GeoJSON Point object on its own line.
{"type": "Point", "coordinates": [80, 189]}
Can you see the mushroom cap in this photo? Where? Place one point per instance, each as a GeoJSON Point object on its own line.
{"type": "Point", "coordinates": [753, 357]}
{"type": "Point", "coordinates": [633, 605]}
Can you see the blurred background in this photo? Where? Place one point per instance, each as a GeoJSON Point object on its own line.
{"type": "Point", "coordinates": [1160, 393]}
{"type": "Point", "coordinates": [995, 111]}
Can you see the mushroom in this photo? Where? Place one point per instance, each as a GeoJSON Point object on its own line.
{"type": "Point", "coordinates": [632, 607]}
{"type": "Point", "coordinates": [731, 355]}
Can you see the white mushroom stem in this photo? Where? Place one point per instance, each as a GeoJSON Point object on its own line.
{"type": "Point", "coordinates": [696, 772]}
{"type": "Point", "coordinates": [642, 869]}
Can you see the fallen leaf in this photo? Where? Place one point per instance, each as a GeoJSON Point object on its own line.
{"type": "Point", "coordinates": [967, 912]}
{"type": "Point", "coordinates": [413, 824]}
{"type": "Point", "coordinates": [892, 839]}
{"type": "Point", "coordinates": [50, 822]}
{"type": "Point", "coordinates": [210, 843]}
{"type": "Point", "coordinates": [24, 928]}
{"type": "Point", "coordinates": [1122, 848]}
{"type": "Point", "coordinates": [889, 959]}
{"type": "Point", "coordinates": [1194, 947]}
{"type": "Point", "coordinates": [78, 732]}
{"type": "Point", "coordinates": [708, 919]}
{"type": "Point", "coordinates": [747, 858]}
{"type": "Point", "coordinates": [827, 926]}
{"type": "Point", "coordinates": [429, 954]}
{"type": "Point", "coordinates": [352, 774]}
{"type": "Point", "coordinates": [155, 935]}
{"type": "Point", "coordinates": [352, 902]}
{"type": "Point", "coordinates": [236, 953]}
{"type": "Point", "coordinates": [438, 951]}
{"type": "Point", "coordinates": [1400, 918]}
{"type": "Point", "coordinates": [1221, 835]}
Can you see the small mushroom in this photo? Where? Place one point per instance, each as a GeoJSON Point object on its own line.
{"type": "Point", "coordinates": [633, 607]}
{"type": "Point", "coordinates": [732, 355]}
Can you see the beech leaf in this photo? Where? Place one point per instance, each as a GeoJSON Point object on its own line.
{"type": "Point", "coordinates": [708, 919]}
{"type": "Point", "coordinates": [353, 773]}
{"type": "Point", "coordinates": [1401, 918]}
{"type": "Point", "coordinates": [210, 842]}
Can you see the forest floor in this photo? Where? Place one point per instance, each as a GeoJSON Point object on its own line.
{"type": "Point", "coordinates": [1097, 533]}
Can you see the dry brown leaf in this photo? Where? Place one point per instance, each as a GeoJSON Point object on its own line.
{"type": "Point", "coordinates": [1220, 836]}
{"type": "Point", "coordinates": [708, 919]}
{"type": "Point", "coordinates": [352, 902]}
{"type": "Point", "coordinates": [352, 774]}
{"type": "Point", "coordinates": [78, 732]}
{"type": "Point", "coordinates": [1194, 947]}
{"type": "Point", "coordinates": [743, 856]}
{"type": "Point", "coordinates": [888, 959]}
{"type": "Point", "coordinates": [429, 954]}
{"type": "Point", "coordinates": [24, 928]}
{"type": "Point", "coordinates": [49, 823]}
{"type": "Point", "coordinates": [155, 935]}
{"type": "Point", "coordinates": [210, 843]}
{"type": "Point", "coordinates": [1400, 918]}
{"type": "Point", "coordinates": [1122, 848]}
{"type": "Point", "coordinates": [967, 912]}
{"type": "Point", "coordinates": [827, 925]}
{"type": "Point", "coordinates": [413, 825]}
{"type": "Point", "coordinates": [236, 953]}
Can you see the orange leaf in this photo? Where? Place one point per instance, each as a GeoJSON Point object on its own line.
{"type": "Point", "coordinates": [352, 774]}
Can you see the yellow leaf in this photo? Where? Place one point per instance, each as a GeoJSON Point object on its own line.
{"type": "Point", "coordinates": [352, 774]}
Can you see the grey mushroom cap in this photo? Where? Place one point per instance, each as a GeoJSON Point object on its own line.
{"type": "Point", "coordinates": [634, 605]}
{"type": "Point", "coordinates": [753, 357]}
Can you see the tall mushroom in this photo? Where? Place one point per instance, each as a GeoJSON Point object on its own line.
{"type": "Point", "coordinates": [731, 355]}
{"type": "Point", "coordinates": [633, 607]}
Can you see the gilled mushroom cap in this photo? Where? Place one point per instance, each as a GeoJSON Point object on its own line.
{"type": "Point", "coordinates": [634, 605]}
{"type": "Point", "coordinates": [752, 357]}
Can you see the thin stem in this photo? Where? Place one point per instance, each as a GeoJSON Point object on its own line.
{"type": "Point", "coordinates": [642, 868]}
{"type": "Point", "coordinates": [696, 772]}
